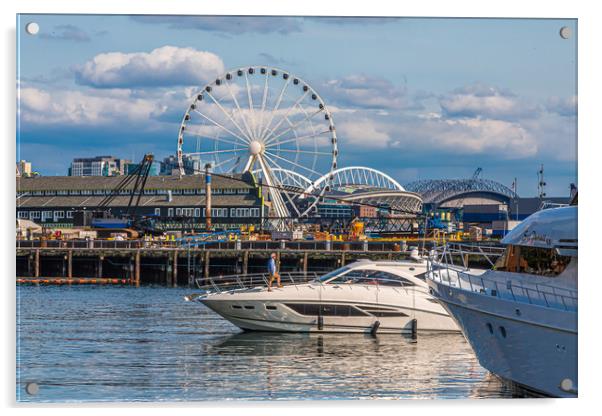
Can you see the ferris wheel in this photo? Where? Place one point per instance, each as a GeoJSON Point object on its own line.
{"type": "Point", "coordinates": [263, 120]}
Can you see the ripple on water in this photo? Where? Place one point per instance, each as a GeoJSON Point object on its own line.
{"type": "Point", "coordinates": [147, 344]}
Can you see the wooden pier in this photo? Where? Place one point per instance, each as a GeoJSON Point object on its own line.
{"type": "Point", "coordinates": [180, 265]}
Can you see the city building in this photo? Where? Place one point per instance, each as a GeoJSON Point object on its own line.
{"type": "Point", "coordinates": [365, 211]}
{"type": "Point", "coordinates": [335, 210]}
{"type": "Point", "coordinates": [155, 169]}
{"type": "Point", "coordinates": [192, 165]}
{"type": "Point", "coordinates": [24, 168]}
{"type": "Point", "coordinates": [176, 202]}
{"type": "Point", "coordinates": [98, 166]}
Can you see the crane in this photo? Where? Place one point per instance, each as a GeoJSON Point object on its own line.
{"type": "Point", "coordinates": [139, 176]}
{"type": "Point", "coordinates": [133, 185]}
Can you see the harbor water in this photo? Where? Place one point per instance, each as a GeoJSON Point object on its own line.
{"type": "Point", "coordinates": [105, 344]}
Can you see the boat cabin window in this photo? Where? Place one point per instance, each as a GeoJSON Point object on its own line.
{"type": "Point", "coordinates": [533, 260]}
{"type": "Point", "coordinates": [390, 279]}
{"type": "Point", "coordinates": [315, 309]}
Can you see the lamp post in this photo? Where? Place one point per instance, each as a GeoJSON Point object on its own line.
{"type": "Point", "coordinates": [208, 196]}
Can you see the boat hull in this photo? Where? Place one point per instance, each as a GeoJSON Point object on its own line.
{"type": "Point", "coordinates": [517, 341]}
{"type": "Point", "coordinates": [275, 311]}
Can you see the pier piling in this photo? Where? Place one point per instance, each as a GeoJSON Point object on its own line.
{"type": "Point", "coordinates": [206, 265]}
{"type": "Point", "coordinates": [37, 264]}
{"type": "Point", "coordinates": [137, 269]}
{"type": "Point", "coordinates": [70, 264]}
{"type": "Point", "coordinates": [174, 279]}
{"type": "Point", "coordinates": [167, 270]}
{"type": "Point", "coordinates": [99, 267]}
{"type": "Point", "coordinates": [305, 259]}
{"type": "Point", "coordinates": [245, 262]}
{"type": "Point", "coordinates": [190, 259]}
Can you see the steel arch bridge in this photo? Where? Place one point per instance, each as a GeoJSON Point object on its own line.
{"type": "Point", "coordinates": [360, 184]}
{"type": "Point", "coordinates": [359, 177]}
{"type": "Point", "coordinates": [438, 191]}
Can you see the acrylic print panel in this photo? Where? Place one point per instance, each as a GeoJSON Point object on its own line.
{"type": "Point", "coordinates": [194, 194]}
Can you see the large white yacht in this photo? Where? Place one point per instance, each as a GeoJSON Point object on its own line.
{"type": "Point", "coordinates": [365, 296]}
{"type": "Point", "coordinates": [520, 316]}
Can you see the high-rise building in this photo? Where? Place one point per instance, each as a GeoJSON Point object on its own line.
{"type": "Point", "coordinates": [192, 165]}
{"type": "Point", "coordinates": [98, 166]}
{"type": "Point", "coordinates": [24, 168]}
{"type": "Point", "coordinates": [155, 168]}
{"type": "Point", "coordinates": [169, 164]}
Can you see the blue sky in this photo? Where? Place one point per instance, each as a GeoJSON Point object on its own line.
{"type": "Point", "coordinates": [416, 98]}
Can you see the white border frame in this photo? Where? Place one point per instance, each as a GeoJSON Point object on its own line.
{"type": "Point", "coordinates": [589, 149]}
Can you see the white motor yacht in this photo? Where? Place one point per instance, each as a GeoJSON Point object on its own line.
{"type": "Point", "coordinates": [520, 316]}
{"type": "Point", "coordinates": [365, 296]}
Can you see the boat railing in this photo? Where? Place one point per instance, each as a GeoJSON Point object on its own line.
{"type": "Point", "coordinates": [549, 204]}
{"type": "Point", "coordinates": [442, 268]}
{"type": "Point", "coordinates": [218, 284]}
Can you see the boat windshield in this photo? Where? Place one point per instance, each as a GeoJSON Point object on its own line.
{"type": "Point", "coordinates": [335, 272]}
{"type": "Point", "coordinates": [345, 275]}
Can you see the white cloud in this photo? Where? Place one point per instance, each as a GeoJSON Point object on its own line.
{"type": "Point", "coordinates": [485, 102]}
{"type": "Point", "coordinates": [34, 99]}
{"type": "Point", "coordinates": [80, 108]}
{"type": "Point", "coordinates": [556, 135]}
{"type": "Point", "coordinates": [562, 106]}
{"type": "Point", "coordinates": [504, 139]}
{"type": "Point", "coordinates": [360, 91]}
{"type": "Point", "coordinates": [439, 135]}
{"type": "Point", "coordinates": [546, 133]}
{"type": "Point", "coordinates": [165, 66]}
{"type": "Point", "coordinates": [363, 133]}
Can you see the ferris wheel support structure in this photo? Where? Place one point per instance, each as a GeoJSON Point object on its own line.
{"type": "Point", "coordinates": [261, 119]}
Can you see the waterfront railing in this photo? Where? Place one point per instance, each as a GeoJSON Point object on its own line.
{"type": "Point", "coordinates": [306, 245]}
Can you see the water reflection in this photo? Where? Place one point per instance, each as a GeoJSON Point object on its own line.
{"type": "Point", "coordinates": [348, 366]}
{"type": "Point", "coordinates": [119, 344]}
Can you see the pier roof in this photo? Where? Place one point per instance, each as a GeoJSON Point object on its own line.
{"type": "Point", "coordinates": [43, 183]}
{"type": "Point", "coordinates": [89, 201]}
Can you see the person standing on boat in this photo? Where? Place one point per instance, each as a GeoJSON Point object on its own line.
{"type": "Point", "coordinates": [273, 272]}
